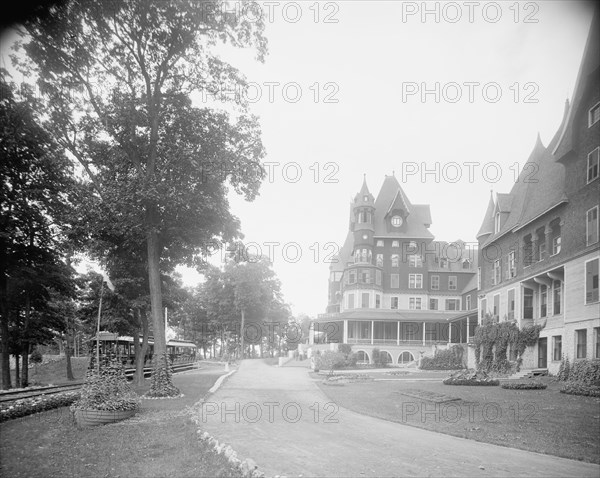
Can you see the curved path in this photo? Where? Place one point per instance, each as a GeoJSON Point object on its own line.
{"type": "Point", "coordinates": [282, 420]}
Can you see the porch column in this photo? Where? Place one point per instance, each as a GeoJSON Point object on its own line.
{"type": "Point", "coordinates": [450, 332]}
{"type": "Point", "coordinates": [468, 329]}
{"type": "Point", "coordinates": [423, 333]}
{"type": "Point", "coordinates": [372, 331]}
{"type": "Point", "coordinates": [398, 336]}
{"type": "Point", "coordinates": [345, 333]}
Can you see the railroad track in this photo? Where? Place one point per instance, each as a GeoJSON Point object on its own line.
{"type": "Point", "coordinates": [11, 395]}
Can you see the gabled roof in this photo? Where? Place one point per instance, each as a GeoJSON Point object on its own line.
{"type": "Point", "coordinates": [471, 285]}
{"type": "Point", "coordinates": [590, 63]}
{"type": "Point", "coordinates": [390, 196]}
{"type": "Point", "coordinates": [538, 189]}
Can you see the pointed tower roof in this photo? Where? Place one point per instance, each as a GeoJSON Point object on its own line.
{"type": "Point", "coordinates": [364, 193]}
{"type": "Point", "coordinates": [487, 226]}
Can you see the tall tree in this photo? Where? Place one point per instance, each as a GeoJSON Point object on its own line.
{"type": "Point", "coordinates": [37, 194]}
{"type": "Point", "coordinates": [119, 76]}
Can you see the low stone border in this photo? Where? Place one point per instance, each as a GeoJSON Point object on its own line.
{"type": "Point", "coordinates": [144, 397]}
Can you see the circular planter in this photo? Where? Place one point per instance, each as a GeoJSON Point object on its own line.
{"type": "Point", "coordinates": [91, 418]}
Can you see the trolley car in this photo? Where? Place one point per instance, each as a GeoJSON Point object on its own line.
{"type": "Point", "coordinates": [179, 351]}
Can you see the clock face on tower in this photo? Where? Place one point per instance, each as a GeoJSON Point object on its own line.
{"type": "Point", "coordinates": [396, 221]}
{"type": "Point", "coordinates": [365, 237]}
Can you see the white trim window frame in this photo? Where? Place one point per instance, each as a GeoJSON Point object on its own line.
{"type": "Point", "coordinates": [594, 210]}
{"type": "Point", "coordinates": [435, 284]}
{"type": "Point", "coordinates": [594, 167]}
{"type": "Point", "coordinates": [593, 110]}
{"type": "Point", "coordinates": [590, 298]}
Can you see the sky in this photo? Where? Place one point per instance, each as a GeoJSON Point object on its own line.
{"type": "Point", "coordinates": [350, 88]}
{"type": "Point", "coordinates": [503, 73]}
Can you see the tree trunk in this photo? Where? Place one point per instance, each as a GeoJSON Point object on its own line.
{"type": "Point", "coordinates": [25, 369]}
{"type": "Point", "coordinates": [17, 371]}
{"type": "Point", "coordinates": [242, 334]}
{"type": "Point", "coordinates": [68, 356]}
{"type": "Point", "coordinates": [140, 353]}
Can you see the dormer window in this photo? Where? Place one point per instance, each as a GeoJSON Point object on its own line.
{"type": "Point", "coordinates": [396, 221]}
{"type": "Point", "coordinates": [594, 114]}
{"type": "Point", "coordinates": [497, 223]}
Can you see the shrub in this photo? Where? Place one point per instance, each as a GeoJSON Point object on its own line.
{"type": "Point", "coordinates": [36, 357]}
{"type": "Point", "coordinates": [586, 372]}
{"type": "Point", "coordinates": [380, 360]}
{"type": "Point", "coordinates": [564, 369]}
{"type": "Point", "coordinates": [329, 360]}
{"type": "Point", "coordinates": [106, 389]}
{"type": "Point", "coordinates": [524, 385]}
{"type": "Point", "coordinates": [41, 403]}
{"type": "Point", "coordinates": [442, 360]}
{"type": "Point", "coordinates": [576, 388]}
{"type": "Point", "coordinates": [450, 381]}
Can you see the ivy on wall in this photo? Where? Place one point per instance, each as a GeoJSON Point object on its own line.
{"type": "Point", "coordinates": [492, 340]}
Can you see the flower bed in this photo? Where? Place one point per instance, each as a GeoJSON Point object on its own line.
{"type": "Point", "coordinates": [472, 378]}
{"type": "Point", "coordinates": [28, 406]}
{"type": "Point", "coordinates": [524, 385]}
{"type": "Point", "coordinates": [575, 388]}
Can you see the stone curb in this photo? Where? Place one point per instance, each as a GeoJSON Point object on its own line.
{"type": "Point", "coordinates": [248, 467]}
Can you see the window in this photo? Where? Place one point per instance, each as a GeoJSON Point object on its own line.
{"type": "Point", "coordinates": [479, 278]}
{"type": "Point", "coordinates": [452, 304]}
{"type": "Point", "coordinates": [511, 304]}
{"type": "Point", "coordinates": [543, 301]}
{"type": "Point", "coordinates": [555, 245]}
{"type": "Point", "coordinates": [378, 277]}
{"type": "Point", "coordinates": [512, 270]}
{"type": "Point", "coordinates": [414, 303]}
{"type": "Point", "coordinates": [394, 302]}
{"type": "Point", "coordinates": [379, 243]}
{"type": "Point", "coordinates": [597, 339]}
{"type": "Point", "coordinates": [395, 281]}
{"type": "Point", "coordinates": [377, 301]}
{"type": "Point", "coordinates": [496, 278]}
{"type": "Point", "coordinates": [527, 250]}
{"type": "Point", "coordinates": [433, 304]}
{"type": "Point", "coordinates": [466, 264]}
{"type": "Point", "coordinates": [497, 305]}
{"type": "Point", "coordinates": [581, 343]}
{"type": "Point", "coordinates": [352, 276]}
{"type": "Point", "coordinates": [497, 223]}
{"type": "Point", "coordinates": [594, 114]}
{"type": "Point", "coordinates": [443, 263]}
{"type": "Point", "coordinates": [557, 348]}
{"type": "Point", "coordinates": [379, 260]}
{"type": "Point", "coordinates": [468, 302]}
{"type": "Point", "coordinates": [592, 226]}
{"type": "Point", "coordinates": [395, 244]}
{"type": "Point", "coordinates": [415, 261]}
{"type": "Point", "coordinates": [591, 281]}
{"type": "Point", "coordinates": [395, 260]}
{"type": "Point", "coordinates": [396, 221]}
{"type": "Point", "coordinates": [452, 283]}
{"type": "Point", "coordinates": [483, 309]}
{"type": "Point", "coordinates": [365, 276]}
{"type": "Point", "coordinates": [435, 282]}
{"type": "Point", "coordinates": [415, 281]}
{"type": "Point", "coordinates": [412, 246]}
{"type": "Point", "coordinates": [557, 296]}
{"type": "Point", "coordinates": [592, 165]}
{"type": "Point", "coordinates": [365, 300]}
{"type": "Point", "coordinates": [351, 301]}
{"type": "Point", "coordinates": [366, 198]}
{"type": "Point", "coordinates": [527, 303]}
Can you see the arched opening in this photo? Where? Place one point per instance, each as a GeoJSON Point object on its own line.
{"type": "Point", "coordinates": [405, 358]}
{"type": "Point", "coordinates": [385, 357]}
{"type": "Point", "coordinates": [362, 357]}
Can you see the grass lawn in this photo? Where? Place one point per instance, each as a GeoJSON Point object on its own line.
{"type": "Point", "coordinates": [159, 441]}
{"type": "Point", "coordinates": [55, 373]}
{"type": "Point", "coordinates": [543, 421]}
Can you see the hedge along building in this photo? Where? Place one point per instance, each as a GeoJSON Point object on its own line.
{"type": "Point", "coordinates": [393, 287]}
{"type": "Point", "coordinates": [539, 248]}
